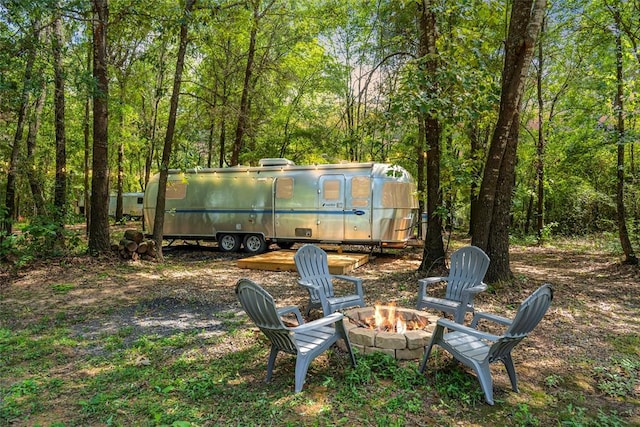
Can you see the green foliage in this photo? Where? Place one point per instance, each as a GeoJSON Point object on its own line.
{"type": "Point", "coordinates": [62, 288]}
{"type": "Point", "coordinates": [457, 385]}
{"type": "Point", "coordinates": [576, 416]}
{"type": "Point", "coordinates": [377, 366]}
{"type": "Point", "coordinates": [18, 398]}
{"type": "Point", "coordinates": [522, 416]}
{"type": "Point", "coordinates": [40, 238]}
{"type": "Point", "coordinates": [620, 378]}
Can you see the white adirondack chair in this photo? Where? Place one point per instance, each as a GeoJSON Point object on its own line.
{"type": "Point", "coordinates": [313, 268]}
{"type": "Point", "coordinates": [465, 280]}
{"type": "Point", "coordinates": [478, 350]}
{"type": "Point", "coordinates": [305, 341]}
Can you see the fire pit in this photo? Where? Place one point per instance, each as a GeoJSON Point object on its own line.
{"type": "Point", "coordinates": [399, 332]}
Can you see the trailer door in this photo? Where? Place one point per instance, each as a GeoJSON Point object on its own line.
{"type": "Point", "coordinates": [295, 205]}
{"type": "Point", "coordinates": [331, 204]}
{"type": "Point", "coordinates": [357, 225]}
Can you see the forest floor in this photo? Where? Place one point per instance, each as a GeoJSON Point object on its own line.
{"type": "Point", "coordinates": [63, 324]}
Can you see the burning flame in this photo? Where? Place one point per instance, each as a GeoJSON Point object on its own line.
{"type": "Point", "coordinates": [386, 318]}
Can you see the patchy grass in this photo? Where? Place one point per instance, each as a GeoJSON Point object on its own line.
{"type": "Point", "coordinates": [100, 342]}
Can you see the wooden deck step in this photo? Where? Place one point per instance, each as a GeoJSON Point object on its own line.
{"type": "Point", "coordinates": [282, 260]}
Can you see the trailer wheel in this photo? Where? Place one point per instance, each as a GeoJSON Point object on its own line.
{"type": "Point", "coordinates": [255, 244]}
{"type": "Point", "coordinates": [229, 242]}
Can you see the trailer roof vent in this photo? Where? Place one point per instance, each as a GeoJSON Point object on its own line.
{"type": "Point", "coordinates": [276, 162]}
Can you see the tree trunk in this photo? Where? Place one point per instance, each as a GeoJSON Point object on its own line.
{"type": "Point", "coordinates": [10, 195]}
{"type": "Point", "coordinates": [223, 122]}
{"type": "Point", "coordinates": [420, 177]}
{"type": "Point", "coordinates": [87, 150]}
{"type": "Point", "coordinates": [120, 166]}
{"type": "Point", "coordinates": [478, 148]}
{"type": "Point", "coordinates": [243, 112]}
{"type": "Point", "coordinates": [499, 267]}
{"type": "Point", "coordinates": [157, 97]}
{"type": "Point", "coordinates": [433, 253]}
{"type": "Point", "coordinates": [32, 135]}
{"type": "Point", "coordinates": [99, 222]}
{"type": "Point", "coordinates": [60, 192]}
{"type": "Point", "coordinates": [526, 19]}
{"type": "Point", "coordinates": [541, 142]}
{"type": "Point", "coordinates": [212, 125]}
{"type": "Point", "coordinates": [625, 242]}
{"type": "Point", "coordinates": [158, 222]}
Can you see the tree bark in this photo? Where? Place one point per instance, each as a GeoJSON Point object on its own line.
{"type": "Point", "coordinates": [158, 222]}
{"type": "Point", "coordinates": [433, 253]}
{"type": "Point", "coordinates": [243, 112]}
{"type": "Point", "coordinates": [625, 242]}
{"type": "Point", "coordinates": [10, 194]}
{"type": "Point", "coordinates": [32, 136]}
{"type": "Point", "coordinates": [60, 191]}
{"type": "Point", "coordinates": [99, 222]}
{"type": "Point", "coordinates": [525, 22]}
{"type": "Point", "coordinates": [498, 245]}
{"type": "Point", "coordinates": [541, 141]}
{"type": "Point", "coordinates": [120, 166]}
{"type": "Point", "coordinates": [87, 149]}
{"type": "Point", "coordinates": [420, 176]}
{"type": "Point", "coordinates": [153, 125]}
{"type": "Point", "coordinates": [479, 141]}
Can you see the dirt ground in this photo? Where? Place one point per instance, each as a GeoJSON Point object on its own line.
{"type": "Point", "coordinates": [596, 301]}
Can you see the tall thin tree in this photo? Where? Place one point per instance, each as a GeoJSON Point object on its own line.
{"type": "Point", "coordinates": [99, 211]}
{"type": "Point", "coordinates": [433, 253]}
{"type": "Point", "coordinates": [10, 193]}
{"type": "Point", "coordinates": [623, 233]}
{"type": "Point", "coordinates": [490, 226]}
{"type": "Point", "coordinates": [158, 222]}
{"type": "Point", "coordinates": [541, 139]}
{"type": "Point", "coordinates": [60, 192]}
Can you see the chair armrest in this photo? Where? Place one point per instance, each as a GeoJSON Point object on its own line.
{"type": "Point", "coordinates": [318, 289]}
{"type": "Point", "coordinates": [492, 317]}
{"type": "Point", "coordinates": [424, 283]}
{"type": "Point", "coordinates": [357, 282]}
{"type": "Point", "coordinates": [307, 284]}
{"type": "Point", "coordinates": [475, 290]}
{"type": "Point", "coordinates": [469, 293]}
{"type": "Point", "coordinates": [453, 326]}
{"type": "Point", "coordinates": [291, 309]}
{"type": "Point", "coordinates": [347, 278]}
{"type": "Point", "coordinates": [323, 321]}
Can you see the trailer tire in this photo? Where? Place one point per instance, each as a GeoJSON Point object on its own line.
{"type": "Point", "coordinates": [254, 244]}
{"type": "Point", "coordinates": [229, 242]}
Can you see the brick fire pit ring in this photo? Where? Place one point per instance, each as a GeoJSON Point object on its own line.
{"type": "Point", "coordinates": [402, 346]}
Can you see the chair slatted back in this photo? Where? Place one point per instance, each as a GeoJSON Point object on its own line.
{"type": "Point", "coordinates": [313, 266]}
{"type": "Point", "coordinates": [261, 309]}
{"type": "Point", "coordinates": [468, 267]}
{"type": "Point", "coordinates": [529, 314]}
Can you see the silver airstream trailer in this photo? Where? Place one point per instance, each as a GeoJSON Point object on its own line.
{"type": "Point", "coordinates": [353, 203]}
{"type": "Point", "coordinates": [131, 205]}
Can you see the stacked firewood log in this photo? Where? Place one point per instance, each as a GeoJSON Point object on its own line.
{"type": "Point", "coordinates": [135, 247]}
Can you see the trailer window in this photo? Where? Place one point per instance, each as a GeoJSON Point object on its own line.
{"type": "Point", "coordinates": [331, 189]}
{"type": "Point", "coordinates": [176, 190]}
{"type": "Point", "coordinates": [360, 191]}
{"type": "Point", "coordinates": [284, 188]}
{"type": "Point", "coordinates": [396, 194]}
